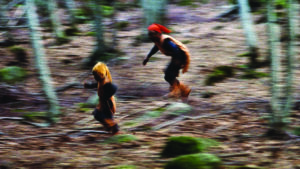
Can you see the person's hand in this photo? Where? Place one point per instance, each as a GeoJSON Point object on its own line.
{"type": "Point", "coordinates": [145, 61]}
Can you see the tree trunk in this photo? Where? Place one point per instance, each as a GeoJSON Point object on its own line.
{"type": "Point", "coordinates": [248, 27]}
{"type": "Point", "coordinates": [3, 22]}
{"type": "Point", "coordinates": [56, 24]}
{"type": "Point", "coordinates": [278, 120]}
{"type": "Point", "coordinates": [154, 12]}
{"type": "Point", "coordinates": [71, 7]}
{"type": "Point", "coordinates": [291, 11]}
{"type": "Point", "coordinates": [41, 61]}
{"type": "Point", "coordinates": [100, 47]}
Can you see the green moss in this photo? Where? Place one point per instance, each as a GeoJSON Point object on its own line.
{"type": "Point", "coordinates": [121, 25]}
{"type": "Point", "coordinates": [218, 27]}
{"type": "Point", "coordinates": [130, 123]}
{"type": "Point", "coordinates": [125, 167]}
{"type": "Point", "coordinates": [124, 138]}
{"type": "Point", "coordinates": [219, 74]}
{"type": "Point", "coordinates": [297, 131]}
{"type": "Point", "coordinates": [195, 161]}
{"type": "Point", "coordinates": [186, 41]}
{"type": "Point", "coordinates": [17, 49]}
{"type": "Point", "coordinates": [152, 114]}
{"type": "Point", "coordinates": [178, 108]}
{"type": "Point", "coordinates": [85, 109]}
{"type": "Point", "coordinates": [246, 54]}
{"type": "Point", "coordinates": [252, 74]}
{"type": "Point", "coordinates": [107, 11]}
{"type": "Point", "coordinates": [90, 34]}
{"type": "Point", "coordinates": [34, 115]}
{"type": "Point", "coordinates": [183, 145]}
{"type": "Point", "coordinates": [12, 74]}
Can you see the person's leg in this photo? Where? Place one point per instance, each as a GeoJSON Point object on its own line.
{"type": "Point", "coordinates": [171, 74]}
{"type": "Point", "coordinates": [106, 119]}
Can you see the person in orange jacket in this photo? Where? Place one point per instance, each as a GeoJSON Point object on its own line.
{"type": "Point", "coordinates": [106, 108]}
{"type": "Point", "coordinates": [180, 58]}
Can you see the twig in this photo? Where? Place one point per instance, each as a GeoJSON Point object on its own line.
{"type": "Point", "coordinates": [11, 118]}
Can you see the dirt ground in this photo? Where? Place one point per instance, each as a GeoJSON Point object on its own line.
{"type": "Point", "coordinates": [234, 115]}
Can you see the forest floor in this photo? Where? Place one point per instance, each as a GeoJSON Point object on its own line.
{"type": "Point", "coordinates": [234, 113]}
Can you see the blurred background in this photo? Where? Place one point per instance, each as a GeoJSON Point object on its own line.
{"type": "Point", "coordinates": [243, 111]}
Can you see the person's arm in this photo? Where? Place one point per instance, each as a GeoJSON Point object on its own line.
{"type": "Point", "coordinates": [152, 52]}
{"type": "Point", "coordinates": [109, 89]}
{"type": "Point", "coordinates": [172, 47]}
{"type": "Point", "coordinates": [90, 85]}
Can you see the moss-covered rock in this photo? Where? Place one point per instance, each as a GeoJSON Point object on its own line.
{"type": "Point", "coordinates": [12, 74]}
{"type": "Point", "coordinates": [178, 108]}
{"type": "Point", "coordinates": [183, 145]}
{"type": "Point", "coordinates": [219, 74]}
{"type": "Point", "coordinates": [122, 138]}
{"type": "Point", "coordinates": [194, 161]}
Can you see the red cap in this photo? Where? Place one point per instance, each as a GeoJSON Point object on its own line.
{"type": "Point", "coordinates": [158, 28]}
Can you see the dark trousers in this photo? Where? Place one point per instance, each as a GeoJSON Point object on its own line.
{"type": "Point", "coordinates": [106, 119]}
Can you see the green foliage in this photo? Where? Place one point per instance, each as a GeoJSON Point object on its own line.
{"type": "Point", "coordinates": [195, 161]}
{"type": "Point", "coordinates": [107, 11]}
{"type": "Point", "coordinates": [219, 73]}
{"type": "Point", "coordinates": [246, 54]}
{"type": "Point", "coordinates": [252, 74]}
{"type": "Point", "coordinates": [186, 41]}
{"type": "Point", "coordinates": [125, 167]}
{"type": "Point", "coordinates": [17, 50]}
{"type": "Point", "coordinates": [183, 145]}
{"type": "Point", "coordinates": [218, 27]}
{"type": "Point", "coordinates": [122, 138]}
{"type": "Point", "coordinates": [90, 34]}
{"type": "Point", "coordinates": [72, 31]}
{"type": "Point", "coordinates": [297, 131]}
{"type": "Point", "coordinates": [32, 116]}
{"type": "Point", "coordinates": [83, 14]}
{"type": "Point", "coordinates": [152, 114]}
{"type": "Point", "coordinates": [12, 74]}
{"type": "Point", "coordinates": [121, 25]}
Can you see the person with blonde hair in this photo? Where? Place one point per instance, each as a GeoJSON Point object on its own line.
{"type": "Point", "coordinates": [105, 110]}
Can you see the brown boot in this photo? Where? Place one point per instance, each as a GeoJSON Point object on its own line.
{"type": "Point", "coordinates": [184, 90]}
{"type": "Point", "coordinates": [174, 91]}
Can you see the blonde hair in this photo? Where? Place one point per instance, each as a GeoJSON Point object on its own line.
{"type": "Point", "coordinates": [102, 71]}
